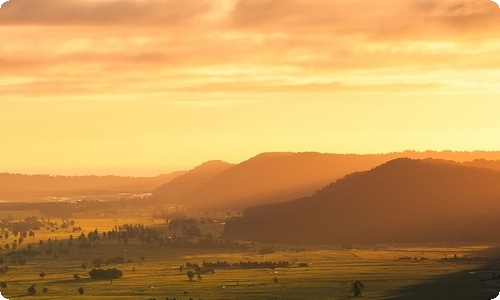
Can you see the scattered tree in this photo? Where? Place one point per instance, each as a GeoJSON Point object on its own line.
{"type": "Point", "coordinates": [31, 290]}
{"type": "Point", "coordinates": [190, 275]}
{"type": "Point", "coordinates": [357, 288]}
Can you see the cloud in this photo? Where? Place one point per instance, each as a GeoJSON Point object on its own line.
{"type": "Point", "coordinates": [379, 19]}
{"type": "Point", "coordinates": [103, 12]}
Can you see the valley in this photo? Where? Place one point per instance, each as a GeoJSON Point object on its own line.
{"type": "Point", "coordinates": [153, 270]}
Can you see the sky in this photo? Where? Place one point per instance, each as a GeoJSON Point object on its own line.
{"type": "Point", "coordinates": [145, 87]}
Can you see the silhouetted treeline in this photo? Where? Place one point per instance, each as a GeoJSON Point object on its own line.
{"type": "Point", "coordinates": [149, 236]}
{"type": "Point", "coordinates": [29, 223]}
{"type": "Point", "coordinates": [242, 264]}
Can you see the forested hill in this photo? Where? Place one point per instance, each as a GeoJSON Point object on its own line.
{"type": "Point", "coordinates": [32, 187]}
{"type": "Point", "coordinates": [403, 200]}
{"type": "Point", "coordinates": [282, 176]}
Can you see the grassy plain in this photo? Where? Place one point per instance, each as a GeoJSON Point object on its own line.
{"type": "Point", "coordinates": [329, 273]}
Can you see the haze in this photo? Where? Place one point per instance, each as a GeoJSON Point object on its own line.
{"type": "Point", "coordinates": [148, 87]}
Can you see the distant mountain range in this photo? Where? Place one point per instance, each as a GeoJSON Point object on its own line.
{"type": "Point", "coordinates": [265, 178]}
{"type": "Point", "coordinates": [403, 200]}
{"type": "Point", "coordinates": [277, 177]}
{"type": "Point", "coordinates": [18, 187]}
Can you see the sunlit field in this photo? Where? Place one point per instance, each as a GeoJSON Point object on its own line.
{"type": "Point", "coordinates": [315, 272]}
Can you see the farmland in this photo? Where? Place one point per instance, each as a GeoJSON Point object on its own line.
{"type": "Point", "coordinates": [153, 270]}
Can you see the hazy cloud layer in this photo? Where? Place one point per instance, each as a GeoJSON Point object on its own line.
{"type": "Point", "coordinates": [244, 46]}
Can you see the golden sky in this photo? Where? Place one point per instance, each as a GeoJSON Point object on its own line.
{"type": "Point", "coordinates": [151, 86]}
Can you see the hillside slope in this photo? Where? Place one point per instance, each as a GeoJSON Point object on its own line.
{"type": "Point", "coordinates": [191, 180]}
{"type": "Point", "coordinates": [403, 200]}
{"type": "Point", "coordinates": [275, 177]}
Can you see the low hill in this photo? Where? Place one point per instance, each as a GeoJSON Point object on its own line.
{"type": "Point", "coordinates": [403, 200]}
{"type": "Point", "coordinates": [282, 176]}
{"type": "Point", "coordinates": [191, 180]}
{"type": "Point", "coordinates": [31, 187]}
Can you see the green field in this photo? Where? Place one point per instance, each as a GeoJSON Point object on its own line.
{"type": "Point", "coordinates": [329, 273]}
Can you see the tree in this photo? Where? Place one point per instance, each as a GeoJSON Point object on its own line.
{"type": "Point", "coordinates": [42, 275]}
{"type": "Point", "coordinates": [76, 276]}
{"type": "Point", "coordinates": [31, 290]}
{"type": "Point", "coordinates": [357, 288]}
{"type": "Point", "coordinates": [80, 291]}
{"type": "Point", "coordinates": [190, 275]}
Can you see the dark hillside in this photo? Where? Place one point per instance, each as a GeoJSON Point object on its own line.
{"type": "Point", "coordinates": [402, 200]}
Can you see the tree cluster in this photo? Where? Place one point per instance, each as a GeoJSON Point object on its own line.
{"type": "Point", "coordinates": [105, 274]}
{"type": "Point", "coordinates": [244, 265]}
